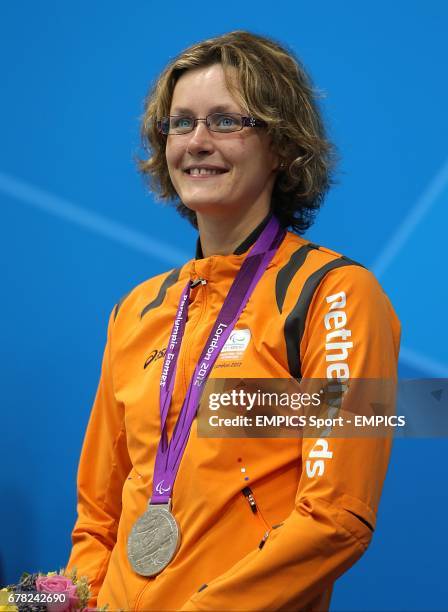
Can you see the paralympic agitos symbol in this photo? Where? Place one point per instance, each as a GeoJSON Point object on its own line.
{"type": "Point", "coordinates": [161, 489]}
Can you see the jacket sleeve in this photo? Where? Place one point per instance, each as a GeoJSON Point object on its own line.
{"type": "Point", "coordinates": [103, 468]}
{"type": "Point", "coordinates": [336, 503]}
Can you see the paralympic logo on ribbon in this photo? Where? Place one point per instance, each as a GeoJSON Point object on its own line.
{"type": "Point", "coordinates": [161, 489]}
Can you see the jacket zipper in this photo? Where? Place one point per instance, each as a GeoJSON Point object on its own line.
{"type": "Point", "coordinates": [248, 494]}
{"type": "Point", "coordinates": [198, 281]}
{"type": "Point", "coordinates": [185, 357]}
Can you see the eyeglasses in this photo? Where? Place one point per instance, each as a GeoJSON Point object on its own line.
{"type": "Point", "coordinates": [215, 122]}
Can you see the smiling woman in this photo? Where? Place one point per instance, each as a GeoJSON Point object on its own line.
{"type": "Point", "coordinates": [169, 519]}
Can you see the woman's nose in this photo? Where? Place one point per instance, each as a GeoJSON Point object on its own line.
{"type": "Point", "coordinates": [200, 138]}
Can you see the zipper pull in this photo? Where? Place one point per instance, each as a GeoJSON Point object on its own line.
{"type": "Point", "coordinates": [198, 281]}
{"type": "Point", "coordinates": [263, 541]}
{"type": "Point", "coordinates": [250, 498]}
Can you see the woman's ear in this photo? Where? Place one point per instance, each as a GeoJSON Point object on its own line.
{"type": "Point", "coordinates": [281, 164]}
{"type": "Point", "coordinates": [279, 159]}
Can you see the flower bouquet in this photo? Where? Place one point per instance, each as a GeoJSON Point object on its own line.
{"type": "Point", "coordinates": [55, 592]}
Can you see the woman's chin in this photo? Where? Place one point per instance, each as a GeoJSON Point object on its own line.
{"type": "Point", "coordinates": [207, 206]}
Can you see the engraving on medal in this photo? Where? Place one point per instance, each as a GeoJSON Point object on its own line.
{"type": "Point", "coordinates": [153, 541]}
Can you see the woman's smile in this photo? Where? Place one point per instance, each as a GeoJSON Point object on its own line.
{"type": "Point", "coordinates": [204, 171]}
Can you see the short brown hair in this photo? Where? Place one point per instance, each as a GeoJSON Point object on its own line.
{"type": "Point", "coordinates": [271, 85]}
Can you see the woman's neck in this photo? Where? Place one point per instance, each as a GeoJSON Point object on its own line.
{"type": "Point", "coordinates": [221, 236]}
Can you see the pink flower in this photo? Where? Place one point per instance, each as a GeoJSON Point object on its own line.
{"type": "Point", "coordinates": [59, 584]}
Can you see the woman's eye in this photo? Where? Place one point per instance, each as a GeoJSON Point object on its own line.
{"type": "Point", "coordinates": [227, 121]}
{"type": "Point", "coordinates": [182, 122]}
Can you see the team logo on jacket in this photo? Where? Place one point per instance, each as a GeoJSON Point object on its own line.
{"type": "Point", "coordinates": [315, 464]}
{"type": "Point", "coordinates": [235, 345]}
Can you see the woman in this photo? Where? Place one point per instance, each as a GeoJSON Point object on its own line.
{"type": "Point", "coordinates": [170, 520]}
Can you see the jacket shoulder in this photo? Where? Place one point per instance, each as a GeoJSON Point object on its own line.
{"type": "Point", "coordinates": [319, 254]}
{"type": "Point", "coordinates": [146, 295]}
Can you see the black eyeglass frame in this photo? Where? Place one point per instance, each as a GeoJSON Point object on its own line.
{"type": "Point", "coordinates": [251, 122]}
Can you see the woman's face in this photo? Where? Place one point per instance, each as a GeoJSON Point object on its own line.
{"type": "Point", "coordinates": [245, 161]}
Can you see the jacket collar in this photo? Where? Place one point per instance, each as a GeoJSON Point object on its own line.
{"type": "Point", "coordinates": [245, 245]}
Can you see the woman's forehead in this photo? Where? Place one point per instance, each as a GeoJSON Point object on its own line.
{"type": "Point", "coordinates": [204, 88]}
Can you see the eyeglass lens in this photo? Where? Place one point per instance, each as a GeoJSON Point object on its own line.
{"type": "Point", "coordinates": [216, 122]}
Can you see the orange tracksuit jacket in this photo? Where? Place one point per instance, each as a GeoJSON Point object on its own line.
{"type": "Point", "coordinates": [319, 523]}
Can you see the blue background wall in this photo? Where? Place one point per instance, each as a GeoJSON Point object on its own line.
{"type": "Point", "coordinates": [78, 230]}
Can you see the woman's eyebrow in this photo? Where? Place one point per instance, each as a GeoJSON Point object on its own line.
{"type": "Point", "coordinates": [220, 108]}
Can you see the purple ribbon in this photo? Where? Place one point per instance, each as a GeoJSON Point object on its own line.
{"type": "Point", "coordinates": [169, 455]}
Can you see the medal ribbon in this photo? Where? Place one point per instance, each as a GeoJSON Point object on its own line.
{"type": "Point", "coordinates": [169, 455]}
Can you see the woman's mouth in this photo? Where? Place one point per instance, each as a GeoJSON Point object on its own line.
{"type": "Point", "coordinates": [204, 172]}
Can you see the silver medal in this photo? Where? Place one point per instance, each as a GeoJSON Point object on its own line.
{"type": "Point", "coordinates": [154, 540]}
